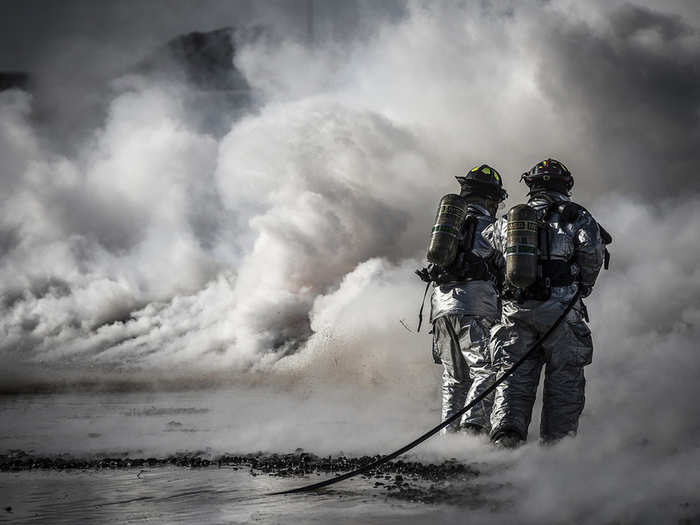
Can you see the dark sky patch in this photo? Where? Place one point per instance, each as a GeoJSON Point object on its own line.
{"type": "Point", "coordinates": [634, 85]}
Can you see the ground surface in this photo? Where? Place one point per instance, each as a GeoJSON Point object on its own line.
{"type": "Point", "coordinates": [211, 457]}
{"type": "Point", "coordinates": [162, 457]}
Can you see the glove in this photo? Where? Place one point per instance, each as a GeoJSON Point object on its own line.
{"type": "Point", "coordinates": [424, 275]}
{"type": "Point", "coordinates": [428, 274]}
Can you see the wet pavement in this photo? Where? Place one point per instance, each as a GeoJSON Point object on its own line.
{"type": "Point", "coordinates": [199, 457]}
{"type": "Point", "coordinates": [406, 480]}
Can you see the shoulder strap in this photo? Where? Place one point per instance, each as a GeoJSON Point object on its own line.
{"type": "Point", "coordinates": [569, 211]}
{"type": "Point", "coordinates": [422, 304]}
{"type": "Point", "coordinates": [469, 230]}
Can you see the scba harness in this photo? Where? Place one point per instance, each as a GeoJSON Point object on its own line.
{"type": "Point", "coordinates": [467, 265]}
{"type": "Point", "coordinates": [531, 272]}
{"type": "Point", "coordinates": [451, 250]}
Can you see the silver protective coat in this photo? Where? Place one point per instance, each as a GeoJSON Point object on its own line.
{"type": "Point", "coordinates": [471, 308]}
{"type": "Point", "coordinates": [467, 369]}
{"type": "Point", "coordinates": [475, 298]}
{"type": "Point", "coordinates": [568, 349]}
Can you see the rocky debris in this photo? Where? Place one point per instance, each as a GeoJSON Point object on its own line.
{"type": "Point", "coordinates": [406, 480]}
{"type": "Point", "coordinates": [159, 411]}
{"type": "Point", "coordinates": [394, 473]}
{"type": "Point", "coordinates": [303, 463]}
{"type": "Point", "coordinates": [19, 460]}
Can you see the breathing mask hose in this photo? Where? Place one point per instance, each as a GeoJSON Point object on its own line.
{"type": "Point", "coordinates": [453, 417]}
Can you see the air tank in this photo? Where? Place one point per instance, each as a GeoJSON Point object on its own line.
{"type": "Point", "coordinates": [447, 232]}
{"type": "Point", "coordinates": [521, 246]}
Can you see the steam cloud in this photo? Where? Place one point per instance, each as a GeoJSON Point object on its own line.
{"type": "Point", "coordinates": [285, 248]}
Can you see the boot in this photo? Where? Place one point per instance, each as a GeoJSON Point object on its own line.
{"type": "Point", "coordinates": [507, 439]}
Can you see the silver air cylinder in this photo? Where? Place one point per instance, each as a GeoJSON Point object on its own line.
{"type": "Point", "coordinates": [447, 232]}
{"type": "Point", "coordinates": [521, 246]}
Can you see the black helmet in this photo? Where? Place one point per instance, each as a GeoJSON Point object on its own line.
{"type": "Point", "coordinates": [550, 175]}
{"type": "Point", "coordinates": [483, 181]}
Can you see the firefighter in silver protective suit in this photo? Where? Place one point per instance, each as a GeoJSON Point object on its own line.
{"type": "Point", "coordinates": [569, 252]}
{"type": "Point", "coordinates": [465, 303]}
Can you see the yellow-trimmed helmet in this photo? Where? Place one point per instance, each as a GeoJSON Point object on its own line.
{"type": "Point", "coordinates": [550, 174]}
{"type": "Point", "coordinates": [483, 181]}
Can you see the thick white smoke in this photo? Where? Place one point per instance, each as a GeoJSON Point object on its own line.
{"type": "Point", "coordinates": [108, 251]}
{"type": "Point", "coordinates": [283, 252]}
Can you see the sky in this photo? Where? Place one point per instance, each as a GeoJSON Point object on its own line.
{"type": "Point", "coordinates": [280, 250]}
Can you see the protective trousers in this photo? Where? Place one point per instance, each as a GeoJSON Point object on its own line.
{"type": "Point", "coordinates": [467, 370]}
{"type": "Point", "coordinates": [564, 355]}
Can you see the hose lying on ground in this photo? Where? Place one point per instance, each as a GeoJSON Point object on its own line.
{"type": "Point", "coordinates": [453, 417]}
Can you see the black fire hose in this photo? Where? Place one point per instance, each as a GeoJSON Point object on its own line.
{"type": "Point", "coordinates": [453, 417]}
